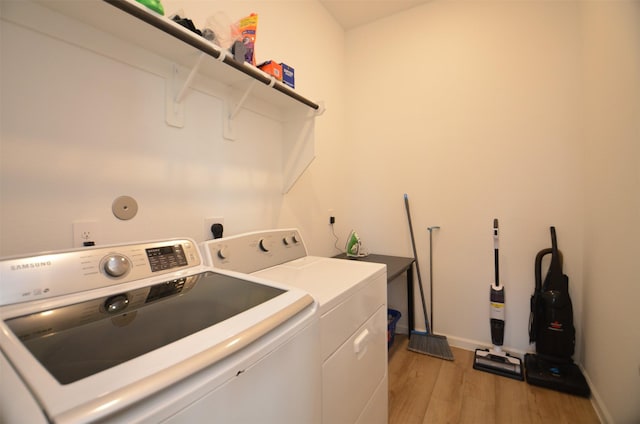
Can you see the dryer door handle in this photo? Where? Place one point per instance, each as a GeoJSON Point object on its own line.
{"type": "Point", "coordinates": [360, 342]}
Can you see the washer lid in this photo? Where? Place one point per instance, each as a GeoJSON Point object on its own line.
{"type": "Point", "coordinates": [84, 363]}
{"type": "Point", "coordinates": [76, 341]}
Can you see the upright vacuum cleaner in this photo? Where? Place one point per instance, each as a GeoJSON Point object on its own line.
{"type": "Point", "coordinates": [551, 328]}
{"type": "Point", "coordinates": [495, 360]}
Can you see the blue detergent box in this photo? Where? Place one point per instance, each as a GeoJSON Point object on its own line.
{"type": "Point", "coordinates": [288, 75]}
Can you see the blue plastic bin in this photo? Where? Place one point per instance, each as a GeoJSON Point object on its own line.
{"type": "Point", "coordinates": [393, 317]}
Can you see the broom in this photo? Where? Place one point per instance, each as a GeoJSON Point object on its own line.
{"type": "Point", "coordinates": [425, 343]}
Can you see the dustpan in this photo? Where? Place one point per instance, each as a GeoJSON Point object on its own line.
{"type": "Point", "coordinates": [430, 344]}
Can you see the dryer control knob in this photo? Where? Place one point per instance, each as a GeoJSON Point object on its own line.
{"type": "Point", "coordinates": [116, 266]}
{"type": "Point", "coordinates": [223, 253]}
{"type": "Point", "coordinates": [294, 239]}
{"type": "Point", "coordinates": [285, 241]}
{"type": "Point", "coordinates": [264, 245]}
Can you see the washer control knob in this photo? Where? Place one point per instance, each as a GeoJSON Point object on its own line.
{"type": "Point", "coordinates": [285, 241]}
{"type": "Point", "coordinates": [116, 266]}
{"type": "Point", "coordinates": [116, 303]}
{"type": "Point", "coordinates": [223, 253]}
{"type": "Point", "coordinates": [294, 239]}
{"type": "Point", "coordinates": [264, 245]}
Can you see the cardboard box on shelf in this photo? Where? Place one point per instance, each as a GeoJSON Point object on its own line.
{"type": "Point", "coordinates": [272, 68]}
{"type": "Point", "coordinates": [288, 75]}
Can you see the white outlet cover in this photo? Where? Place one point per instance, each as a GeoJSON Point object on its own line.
{"type": "Point", "coordinates": [86, 231]}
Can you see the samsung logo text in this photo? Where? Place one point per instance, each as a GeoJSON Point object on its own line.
{"type": "Point", "coordinates": [30, 265]}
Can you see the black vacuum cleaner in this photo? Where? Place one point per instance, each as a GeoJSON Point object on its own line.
{"type": "Point", "coordinates": [495, 360]}
{"type": "Point", "coordinates": [551, 328]}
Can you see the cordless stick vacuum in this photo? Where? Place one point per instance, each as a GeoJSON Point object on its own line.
{"type": "Point", "coordinates": [495, 360]}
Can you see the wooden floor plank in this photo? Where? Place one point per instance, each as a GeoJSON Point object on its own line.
{"type": "Point", "coordinates": [411, 381]}
{"type": "Point", "coordinates": [445, 404]}
{"type": "Point", "coordinates": [425, 389]}
{"type": "Point", "coordinates": [479, 392]}
{"type": "Point", "coordinates": [511, 401]}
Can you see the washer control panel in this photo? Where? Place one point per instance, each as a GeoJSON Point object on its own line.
{"type": "Point", "coordinates": [53, 274]}
{"type": "Point", "coordinates": [116, 265]}
{"type": "Point", "coordinates": [254, 251]}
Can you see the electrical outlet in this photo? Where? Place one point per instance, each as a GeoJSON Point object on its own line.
{"type": "Point", "coordinates": [208, 222]}
{"type": "Point", "coordinates": [86, 233]}
{"type": "Point", "coordinates": [332, 217]}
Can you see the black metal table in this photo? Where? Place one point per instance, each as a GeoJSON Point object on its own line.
{"type": "Point", "coordinates": [396, 265]}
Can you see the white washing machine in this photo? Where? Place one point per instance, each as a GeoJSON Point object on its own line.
{"type": "Point", "coordinates": [352, 297]}
{"type": "Point", "coordinates": [146, 333]}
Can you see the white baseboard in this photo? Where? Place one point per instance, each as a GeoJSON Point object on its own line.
{"type": "Point", "coordinates": [466, 344]}
{"type": "Point", "coordinates": [472, 345]}
{"type": "Point", "coordinates": [596, 400]}
{"type": "Point", "coordinates": [402, 329]}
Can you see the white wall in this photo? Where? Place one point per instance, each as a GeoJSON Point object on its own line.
{"type": "Point", "coordinates": [471, 109]}
{"type": "Point", "coordinates": [477, 110]}
{"type": "Point", "coordinates": [80, 128]}
{"type": "Point", "coordinates": [612, 205]}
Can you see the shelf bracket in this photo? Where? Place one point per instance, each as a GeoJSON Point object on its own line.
{"type": "Point", "coordinates": [299, 145]}
{"type": "Point", "coordinates": [175, 93]}
{"type": "Point", "coordinates": [230, 115]}
{"type": "Point", "coordinates": [182, 93]}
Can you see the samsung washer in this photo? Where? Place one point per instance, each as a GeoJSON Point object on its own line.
{"type": "Point", "coordinates": [145, 332]}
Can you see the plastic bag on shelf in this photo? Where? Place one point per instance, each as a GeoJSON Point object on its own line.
{"type": "Point", "coordinates": [225, 32]}
{"type": "Point", "coordinates": [248, 27]}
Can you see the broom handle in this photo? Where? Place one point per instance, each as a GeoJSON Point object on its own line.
{"type": "Point", "coordinates": [431, 274]}
{"type": "Point", "coordinates": [415, 256]}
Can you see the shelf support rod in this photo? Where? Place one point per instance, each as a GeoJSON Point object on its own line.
{"type": "Point", "coordinates": [230, 115]}
{"type": "Point", "coordinates": [192, 75]}
{"type": "Point", "coordinates": [243, 99]}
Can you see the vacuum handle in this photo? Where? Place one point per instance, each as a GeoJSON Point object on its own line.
{"type": "Point", "coordinates": [555, 268]}
{"type": "Point", "coordinates": [538, 267]}
{"type": "Point", "coordinates": [495, 252]}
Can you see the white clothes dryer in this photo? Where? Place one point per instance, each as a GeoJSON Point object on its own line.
{"type": "Point", "coordinates": [352, 299]}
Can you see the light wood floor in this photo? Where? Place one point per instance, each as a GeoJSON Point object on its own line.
{"type": "Point", "coordinates": [425, 389]}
